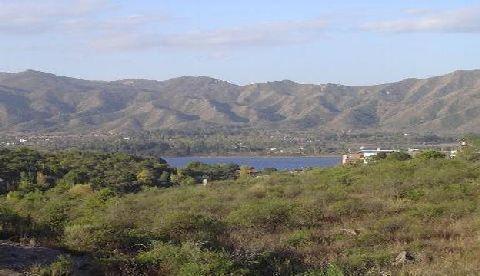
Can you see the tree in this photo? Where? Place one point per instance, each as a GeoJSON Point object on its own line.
{"type": "Point", "coordinates": [399, 156]}
{"type": "Point", "coordinates": [26, 183]}
{"type": "Point", "coordinates": [183, 180]}
{"type": "Point", "coordinates": [146, 177]}
{"type": "Point", "coordinates": [76, 176]}
{"type": "Point", "coordinates": [244, 172]}
{"type": "Point", "coordinates": [42, 180]}
{"type": "Point", "coordinates": [381, 155]}
{"type": "Point", "coordinates": [431, 154]}
{"type": "Point", "coordinates": [165, 177]}
{"type": "Point", "coordinates": [198, 170]}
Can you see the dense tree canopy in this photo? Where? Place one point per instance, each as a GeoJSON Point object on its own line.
{"type": "Point", "coordinates": [25, 169]}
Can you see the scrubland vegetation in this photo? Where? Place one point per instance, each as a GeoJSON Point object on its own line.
{"type": "Point", "coordinates": [394, 216]}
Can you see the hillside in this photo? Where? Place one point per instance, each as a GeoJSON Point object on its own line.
{"type": "Point", "coordinates": [395, 216]}
{"type": "Point", "coordinates": [33, 101]}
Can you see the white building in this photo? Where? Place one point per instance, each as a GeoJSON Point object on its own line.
{"type": "Point", "coordinates": [369, 153]}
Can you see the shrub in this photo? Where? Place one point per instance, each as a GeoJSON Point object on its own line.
{"type": "Point", "coordinates": [354, 207]}
{"type": "Point", "coordinates": [299, 238]}
{"type": "Point", "coordinates": [267, 214]}
{"type": "Point", "coordinates": [183, 180]}
{"type": "Point", "coordinates": [398, 156]}
{"type": "Point", "coordinates": [360, 261]}
{"type": "Point", "coordinates": [81, 190]}
{"type": "Point", "coordinates": [84, 238]}
{"type": "Point", "coordinates": [181, 226]}
{"type": "Point", "coordinates": [414, 194]}
{"type": "Point", "coordinates": [308, 214]}
{"type": "Point", "coordinates": [62, 266]}
{"type": "Point", "coordinates": [329, 270]}
{"type": "Point", "coordinates": [11, 224]}
{"type": "Point", "coordinates": [186, 259]}
{"type": "Point", "coordinates": [431, 154]}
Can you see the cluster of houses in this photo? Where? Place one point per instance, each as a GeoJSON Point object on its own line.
{"type": "Point", "coordinates": [366, 154]}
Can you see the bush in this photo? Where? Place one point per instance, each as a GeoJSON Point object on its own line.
{"type": "Point", "coordinates": [186, 259]}
{"type": "Point", "coordinates": [180, 226]}
{"type": "Point", "coordinates": [431, 154]}
{"type": "Point", "coordinates": [329, 270]}
{"type": "Point", "coordinates": [264, 214]}
{"type": "Point", "coordinates": [11, 224]}
{"type": "Point", "coordinates": [63, 266]}
{"type": "Point", "coordinates": [198, 171]}
{"type": "Point", "coordinates": [398, 156]}
{"type": "Point", "coordinates": [88, 238]}
{"type": "Point", "coordinates": [299, 238]}
{"type": "Point", "coordinates": [308, 214]}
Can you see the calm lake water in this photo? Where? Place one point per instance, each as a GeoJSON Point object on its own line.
{"type": "Point", "coordinates": [280, 163]}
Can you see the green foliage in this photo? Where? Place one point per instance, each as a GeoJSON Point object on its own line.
{"type": "Point", "coordinates": [431, 154]}
{"type": "Point", "coordinates": [10, 223]}
{"type": "Point", "coordinates": [398, 156]}
{"type": "Point", "coordinates": [198, 171]}
{"type": "Point", "coordinates": [165, 177]}
{"type": "Point", "coordinates": [146, 177]}
{"type": "Point", "coordinates": [27, 170]}
{"type": "Point", "coordinates": [179, 226]}
{"type": "Point", "coordinates": [183, 180]}
{"type": "Point", "coordinates": [473, 140]}
{"type": "Point", "coordinates": [186, 259]}
{"type": "Point", "coordinates": [330, 270]}
{"type": "Point", "coordinates": [300, 238]}
{"type": "Point", "coordinates": [337, 221]}
{"type": "Point", "coordinates": [263, 214]}
{"type": "Point", "coordinates": [63, 266]}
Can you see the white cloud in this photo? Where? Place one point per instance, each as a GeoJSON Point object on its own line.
{"type": "Point", "coordinates": [105, 25]}
{"type": "Point", "coordinates": [419, 12]}
{"type": "Point", "coordinates": [266, 34]}
{"type": "Point", "coordinates": [72, 21]}
{"type": "Point", "coordinates": [466, 20]}
{"type": "Point", "coordinates": [34, 16]}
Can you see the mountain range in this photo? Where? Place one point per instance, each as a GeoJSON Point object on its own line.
{"type": "Point", "coordinates": [33, 101]}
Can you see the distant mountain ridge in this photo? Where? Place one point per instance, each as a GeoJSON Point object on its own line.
{"type": "Point", "coordinates": [33, 101]}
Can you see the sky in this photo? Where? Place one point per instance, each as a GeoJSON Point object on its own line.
{"type": "Point", "coordinates": [351, 42]}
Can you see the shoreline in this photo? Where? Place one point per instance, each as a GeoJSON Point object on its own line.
{"type": "Point", "coordinates": [253, 156]}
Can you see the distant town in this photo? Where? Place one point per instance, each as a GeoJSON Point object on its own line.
{"type": "Point", "coordinates": [236, 142]}
{"type": "Point", "coordinates": [365, 155]}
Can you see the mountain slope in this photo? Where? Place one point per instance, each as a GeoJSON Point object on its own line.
{"type": "Point", "coordinates": [36, 101]}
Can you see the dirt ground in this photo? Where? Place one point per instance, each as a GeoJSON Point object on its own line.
{"type": "Point", "coordinates": [17, 258]}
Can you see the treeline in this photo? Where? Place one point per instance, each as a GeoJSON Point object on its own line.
{"type": "Point", "coordinates": [26, 170]}
{"type": "Point", "coordinates": [229, 142]}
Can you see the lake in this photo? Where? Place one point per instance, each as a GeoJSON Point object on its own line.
{"type": "Point", "coordinates": [260, 163]}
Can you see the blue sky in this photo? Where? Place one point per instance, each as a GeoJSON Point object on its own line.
{"type": "Point", "coordinates": [348, 42]}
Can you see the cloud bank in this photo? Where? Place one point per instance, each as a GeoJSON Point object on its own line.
{"type": "Point", "coordinates": [263, 34]}
{"type": "Point", "coordinates": [465, 20]}
{"type": "Point", "coordinates": [103, 25]}
{"type": "Point", "coordinates": [37, 17]}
